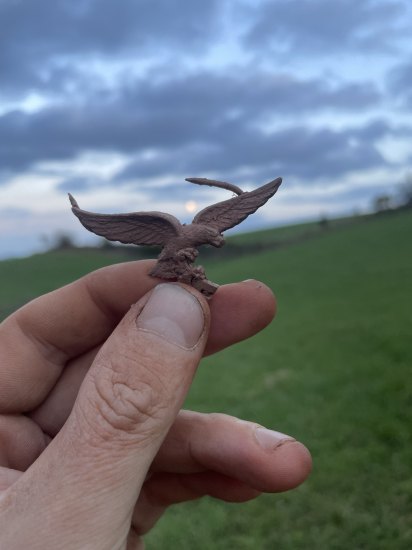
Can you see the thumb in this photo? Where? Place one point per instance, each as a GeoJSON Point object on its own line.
{"type": "Point", "coordinates": [125, 407]}
{"type": "Point", "coordinates": [138, 382]}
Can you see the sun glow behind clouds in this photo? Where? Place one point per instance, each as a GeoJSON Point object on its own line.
{"type": "Point", "coordinates": [190, 206]}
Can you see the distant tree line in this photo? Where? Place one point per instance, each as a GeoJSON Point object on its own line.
{"type": "Point", "coordinates": [403, 199]}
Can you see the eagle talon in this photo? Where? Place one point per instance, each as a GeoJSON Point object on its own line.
{"type": "Point", "coordinates": [198, 273]}
{"type": "Point", "coordinates": [205, 287]}
{"type": "Point", "coordinates": [189, 254]}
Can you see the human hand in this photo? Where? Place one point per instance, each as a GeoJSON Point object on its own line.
{"type": "Point", "coordinates": [93, 447]}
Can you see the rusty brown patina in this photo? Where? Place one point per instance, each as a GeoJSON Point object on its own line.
{"type": "Point", "coordinates": [180, 242]}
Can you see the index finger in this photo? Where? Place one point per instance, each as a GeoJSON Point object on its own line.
{"type": "Point", "coordinates": [39, 339]}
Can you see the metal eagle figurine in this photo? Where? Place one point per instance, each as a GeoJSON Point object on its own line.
{"type": "Point", "coordinates": [180, 242]}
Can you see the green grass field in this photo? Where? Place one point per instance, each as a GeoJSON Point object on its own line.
{"type": "Point", "coordinates": [334, 369]}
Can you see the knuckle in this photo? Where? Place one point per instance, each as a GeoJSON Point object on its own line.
{"type": "Point", "coordinates": [128, 401]}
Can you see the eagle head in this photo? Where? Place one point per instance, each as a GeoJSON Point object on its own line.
{"type": "Point", "coordinates": [214, 237]}
{"type": "Point", "coordinates": [200, 234]}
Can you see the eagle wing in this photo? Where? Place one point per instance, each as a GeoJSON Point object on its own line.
{"type": "Point", "coordinates": [226, 214]}
{"type": "Point", "coordinates": [142, 228]}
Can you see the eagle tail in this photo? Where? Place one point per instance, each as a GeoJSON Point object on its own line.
{"type": "Point", "coordinates": [215, 183]}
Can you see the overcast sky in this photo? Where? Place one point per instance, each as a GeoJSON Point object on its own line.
{"type": "Point", "coordinates": [118, 101]}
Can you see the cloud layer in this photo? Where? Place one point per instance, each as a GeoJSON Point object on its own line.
{"type": "Point", "coordinates": [313, 90]}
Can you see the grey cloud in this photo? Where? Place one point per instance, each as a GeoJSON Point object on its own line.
{"type": "Point", "coordinates": [296, 151]}
{"type": "Point", "coordinates": [14, 213]}
{"type": "Point", "coordinates": [60, 133]}
{"type": "Point", "coordinates": [71, 185]}
{"type": "Point", "coordinates": [198, 113]}
{"type": "Point", "coordinates": [36, 34]}
{"type": "Point", "coordinates": [180, 189]}
{"type": "Point", "coordinates": [356, 194]}
{"type": "Point", "coordinates": [399, 81]}
{"type": "Point", "coordinates": [257, 90]}
{"type": "Point", "coordinates": [324, 27]}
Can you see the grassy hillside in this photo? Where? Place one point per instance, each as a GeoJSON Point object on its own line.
{"type": "Point", "coordinates": [334, 370]}
{"type": "Point", "coordinates": [23, 279]}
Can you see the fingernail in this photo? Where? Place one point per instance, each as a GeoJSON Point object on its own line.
{"type": "Point", "coordinates": [174, 314]}
{"type": "Point", "coordinates": [256, 283]}
{"type": "Point", "coordinates": [269, 439]}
